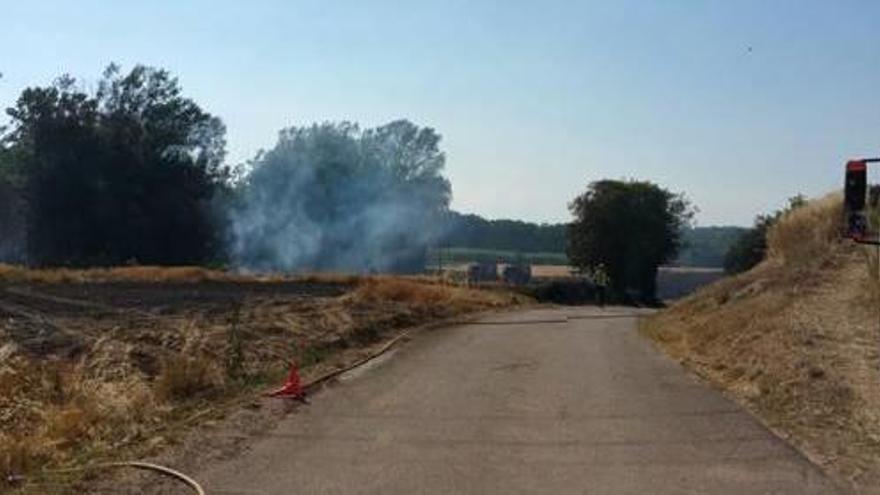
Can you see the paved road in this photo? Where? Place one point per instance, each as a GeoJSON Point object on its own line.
{"type": "Point", "coordinates": [550, 401]}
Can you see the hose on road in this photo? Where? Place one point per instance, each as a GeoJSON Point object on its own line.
{"type": "Point", "coordinates": [146, 466]}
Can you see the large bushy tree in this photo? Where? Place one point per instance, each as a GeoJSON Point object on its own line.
{"type": "Point", "coordinates": [124, 173]}
{"type": "Point", "coordinates": [335, 197]}
{"type": "Point", "coordinates": [628, 228]}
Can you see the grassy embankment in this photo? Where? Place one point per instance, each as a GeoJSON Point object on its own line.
{"type": "Point", "coordinates": [796, 340]}
{"type": "Point", "coordinates": [125, 382]}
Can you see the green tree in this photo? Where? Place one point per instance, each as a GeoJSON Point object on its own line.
{"type": "Point", "coordinates": [630, 227]}
{"type": "Point", "coordinates": [125, 173]}
{"type": "Point", "coordinates": [335, 197]}
{"type": "Point", "coordinates": [750, 248]}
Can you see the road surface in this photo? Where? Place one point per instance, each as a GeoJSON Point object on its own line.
{"type": "Point", "coordinates": [544, 401]}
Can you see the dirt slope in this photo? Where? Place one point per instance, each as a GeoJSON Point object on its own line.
{"type": "Point", "coordinates": [795, 340]}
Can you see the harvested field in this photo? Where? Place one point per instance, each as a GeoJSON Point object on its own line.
{"type": "Point", "coordinates": [97, 366]}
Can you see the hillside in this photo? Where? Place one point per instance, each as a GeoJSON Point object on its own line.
{"type": "Point", "coordinates": [796, 341]}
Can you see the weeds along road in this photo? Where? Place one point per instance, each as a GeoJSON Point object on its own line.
{"type": "Point", "coordinates": [544, 401]}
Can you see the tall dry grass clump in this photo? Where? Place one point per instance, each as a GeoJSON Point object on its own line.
{"type": "Point", "coordinates": [50, 413]}
{"type": "Point", "coordinates": [442, 298]}
{"type": "Point", "coordinates": [807, 234]}
{"type": "Point", "coordinates": [186, 376]}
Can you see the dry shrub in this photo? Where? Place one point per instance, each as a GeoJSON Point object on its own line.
{"type": "Point", "coordinates": [807, 234]}
{"type": "Point", "coordinates": [184, 376]}
{"type": "Point", "coordinates": [70, 423]}
{"type": "Point", "coordinates": [401, 290]}
{"type": "Point", "coordinates": [320, 278]}
{"type": "Point", "coordinates": [24, 390]}
{"type": "Point", "coordinates": [421, 294]}
{"type": "Point", "coordinates": [50, 413]}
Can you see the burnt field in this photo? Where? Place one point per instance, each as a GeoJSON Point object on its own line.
{"type": "Point", "coordinates": [99, 365]}
{"type": "Point", "coordinates": [103, 299]}
{"type": "Point", "coordinates": [170, 297]}
{"type": "Point", "coordinates": [61, 319]}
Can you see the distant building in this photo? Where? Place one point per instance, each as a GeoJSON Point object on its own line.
{"type": "Point", "coordinates": [483, 272]}
{"type": "Point", "coordinates": [519, 274]}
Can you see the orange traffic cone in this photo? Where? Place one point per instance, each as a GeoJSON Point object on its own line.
{"type": "Point", "coordinates": [292, 386]}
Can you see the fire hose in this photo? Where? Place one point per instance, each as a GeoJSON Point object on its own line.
{"type": "Point", "coordinates": [147, 466]}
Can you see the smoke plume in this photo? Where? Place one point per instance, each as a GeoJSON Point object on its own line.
{"type": "Point", "coordinates": [334, 197]}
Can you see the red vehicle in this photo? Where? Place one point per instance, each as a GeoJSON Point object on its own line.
{"type": "Point", "coordinates": [855, 201]}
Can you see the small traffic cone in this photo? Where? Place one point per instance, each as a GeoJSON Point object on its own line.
{"type": "Point", "coordinates": [292, 386]}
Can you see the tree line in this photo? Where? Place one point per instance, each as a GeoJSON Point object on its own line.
{"type": "Point", "coordinates": [126, 172]}
{"type": "Point", "coordinates": [134, 171]}
{"type": "Point", "coordinates": [474, 231]}
{"type": "Point", "coordinates": [700, 246]}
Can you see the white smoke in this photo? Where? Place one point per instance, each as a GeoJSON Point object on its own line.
{"type": "Point", "coordinates": [335, 197]}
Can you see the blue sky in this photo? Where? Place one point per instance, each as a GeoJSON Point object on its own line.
{"type": "Point", "coordinates": [534, 99]}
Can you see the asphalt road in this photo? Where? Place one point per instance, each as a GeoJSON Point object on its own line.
{"type": "Point", "coordinates": [543, 401]}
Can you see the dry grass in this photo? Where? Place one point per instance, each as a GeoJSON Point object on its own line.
{"type": "Point", "coordinates": [18, 274]}
{"type": "Point", "coordinates": [872, 262]}
{"type": "Point", "coordinates": [157, 274]}
{"type": "Point", "coordinates": [419, 294]}
{"type": "Point", "coordinates": [808, 234]}
{"type": "Point", "coordinates": [185, 376]}
{"type": "Point", "coordinates": [795, 340]}
{"type": "Point", "coordinates": [53, 412]}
